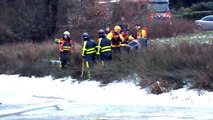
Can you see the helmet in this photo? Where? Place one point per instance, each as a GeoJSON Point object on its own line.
{"type": "Point", "coordinates": [137, 26]}
{"type": "Point", "coordinates": [85, 35]}
{"type": "Point", "coordinates": [66, 33]}
{"type": "Point", "coordinates": [145, 28]}
{"type": "Point", "coordinates": [101, 31]}
{"type": "Point", "coordinates": [107, 29]}
{"type": "Point", "coordinates": [117, 28]}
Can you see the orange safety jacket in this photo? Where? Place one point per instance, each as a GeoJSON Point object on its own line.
{"type": "Point", "coordinates": [116, 39]}
{"type": "Point", "coordinates": [64, 45]}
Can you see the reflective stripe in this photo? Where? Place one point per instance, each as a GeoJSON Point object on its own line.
{"type": "Point", "coordinates": [99, 46]}
{"type": "Point", "coordinates": [115, 45]}
{"type": "Point", "coordinates": [84, 48]}
{"type": "Point", "coordinates": [87, 51]}
{"type": "Point", "coordinates": [87, 64]}
{"type": "Point", "coordinates": [106, 49]}
{"type": "Point", "coordinates": [90, 51]}
{"type": "Point", "coordinates": [124, 45]}
{"type": "Point", "coordinates": [66, 48]}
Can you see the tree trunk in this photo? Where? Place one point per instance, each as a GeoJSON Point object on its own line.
{"type": "Point", "coordinates": [51, 11]}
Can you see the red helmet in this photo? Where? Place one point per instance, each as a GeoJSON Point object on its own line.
{"type": "Point", "coordinates": [145, 28]}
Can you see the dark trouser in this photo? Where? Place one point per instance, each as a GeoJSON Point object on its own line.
{"type": "Point", "coordinates": [106, 56]}
{"type": "Point", "coordinates": [64, 57]}
{"type": "Point", "coordinates": [143, 43]}
{"type": "Point", "coordinates": [90, 60]}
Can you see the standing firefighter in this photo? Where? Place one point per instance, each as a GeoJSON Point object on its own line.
{"type": "Point", "coordinates": [104, 47]}
{"type": "Point", "coordinates": [65, 48]}
{"type": "Point", "coordinates": [142, 35]}
{"type": "Point", "coordinates": [116, 39]}
{"type": "Point", "coordinates": [88, 51]}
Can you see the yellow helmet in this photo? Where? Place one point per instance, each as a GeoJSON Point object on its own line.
{"type": "Point", "coordinates": [117, 28]}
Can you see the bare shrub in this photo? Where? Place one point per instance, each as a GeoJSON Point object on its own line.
{"type": "Point", "coordinates": [20, 55]}
{"type": "Point", "coordinates": [164, 29]}
{"type": "Point", "coordinates": [173, 66]}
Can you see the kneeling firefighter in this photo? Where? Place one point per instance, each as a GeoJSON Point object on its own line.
{"type": "Point", "coordinates": [65, 48]}
{"type": "Point", "coordinates": [104, 47]}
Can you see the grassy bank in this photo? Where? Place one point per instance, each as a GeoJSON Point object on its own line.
{"type": "Point", "coordinates": [174, 62]}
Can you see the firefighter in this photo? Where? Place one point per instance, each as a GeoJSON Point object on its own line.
{"type": "Point", "coordinates": [65, 48]}
{"type": "Point", "coordinates": [116, 39]}
{"type": "Point", "coordinates": [133, 43]}
{"type": "Point", "coordinates": [88, 50]}
{"type": "Point", "coordinates": [107, 30]}
{"type": "Point", "coordinates": [142, 35]}
{"type": "Point", "coordinates": [104, 47]}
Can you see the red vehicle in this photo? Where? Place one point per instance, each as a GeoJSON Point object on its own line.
{"type": "Point", "coordinates": [158, 10]}
{"type": "Point", "coordinates": [152, 9]}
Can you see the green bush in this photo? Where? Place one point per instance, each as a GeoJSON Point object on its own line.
{"type": "Point", "coordinates": [196, 14]}
{"type": "Point", "coordinates": [202, 6]}
{"type": "Point", "coordinates": [196, 11]}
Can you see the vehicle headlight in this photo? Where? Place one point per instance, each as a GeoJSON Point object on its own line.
{"type": "Point", "coordinates": [168, 16]}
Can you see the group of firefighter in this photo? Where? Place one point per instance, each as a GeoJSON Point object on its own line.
{"type": "Point", "coordinates": [109, 42]}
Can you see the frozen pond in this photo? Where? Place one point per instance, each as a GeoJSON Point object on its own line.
{"type": "Point", "coordinates": [26, 98]}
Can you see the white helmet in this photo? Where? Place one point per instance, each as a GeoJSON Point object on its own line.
{"type": "Point", "coordinates": [66, 33]}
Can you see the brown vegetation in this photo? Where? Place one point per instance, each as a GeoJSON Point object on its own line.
{"type": "Point", "coordinates": [173, 66]}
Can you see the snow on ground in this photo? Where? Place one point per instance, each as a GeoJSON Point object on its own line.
{"type": "Point", "coordinates": [202, 37]}
{"type": "Point", "coordinates": [15, 89]}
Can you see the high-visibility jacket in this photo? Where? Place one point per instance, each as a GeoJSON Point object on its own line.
{"type": "Point", "coordinates": [116, 39]}
{"type": "Point", "coordinates": [65, 45]}
{"type": "Point", "coordinates": [88, 47]}
{"type": "Point", "coordinates": [125, 36]}
{"type": "Point", "coordinates": [142, 34]}
{"type": "Point", "coordinates": [131, 38]}
{"type": "Point", "coordinates": [104, 45]}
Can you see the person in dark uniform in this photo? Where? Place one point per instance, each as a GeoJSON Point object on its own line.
{"type": "Point", "coordinates": [104, 47]}
{"type": "Point", "coordinates": [88, 50]}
